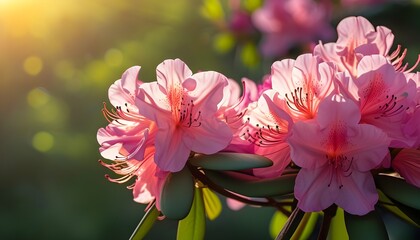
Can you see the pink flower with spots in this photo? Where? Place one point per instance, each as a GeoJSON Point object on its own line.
{"type": "Point", "coordinates": [357, 38]}
{"type": "Point", "coordinates": [267, 128]}
{"type": "Point", "coordinates": [302, 83]}
{"type": "Point", "coordinates": [286, 23]}
{"type": "Point", "coordinates": [336, 154]}
{"type": "Point", "coordinates": [128, 141]}
{"type": "Point", "coordinates": [184, 107]}
{"type": "Point", "coordinates": [383, 95]}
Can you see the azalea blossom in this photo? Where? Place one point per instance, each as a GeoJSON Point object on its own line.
{"type": "Point", "coordinates": [285, 23]}
{"type": "Point", "coordinates": [267, 128]}
{"type": "Point", "coordinates": [336, 154]}
{"type": "Point", "coordinates": [128, 141]}
{"type": "Point", "coordinates": [184, 107]}
{"type": "Point", "coordinates": [302, 83]}
{"type": "Point", "coordinates": [383, 95]}
{"type": "Point", "coordinates": [357, 38]}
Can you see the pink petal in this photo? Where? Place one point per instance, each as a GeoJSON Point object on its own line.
{"type": "Point", "coordinates": [210, 137]}
{"type": "Point", "coordinates": [206, 90]}
{"type": "Point", "coordinates": [171, 150]}
{"type": "Point", "coordinates": [314, 189]}
{"type": "Point", "coordinates": [171, 73]}
{"type": "Point", "coordinates": [145, 185]}
{"type": "Point", "coordinates": [307, 154]}
{"type": "Point", "coordinates": [336, 108]}
{"type": "Point", "coordinates": [369, 147]}
{"type": "Point", "coordinates": [407, 164]}
{"type": "Point", "coordinates": [281, 75]}
{"type": "Point", "coordinates": [358, 195]}
{"type": "Point", "coordinates": [125, 90]}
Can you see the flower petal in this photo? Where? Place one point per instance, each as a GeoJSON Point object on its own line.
{"type": "Point", "coordinates": [172, 73]}
{"type": "Point", "coordinates": [314, 189]}
{"type": "Point", "coordinates": [358, 195]}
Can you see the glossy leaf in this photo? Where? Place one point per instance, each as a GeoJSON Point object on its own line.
{"type": "Point", "coordinates": [338, 226]}
{"type": "Point", "coordinates": [145, 224]}
{"type": "Point", "coordinates": [254, 188]}
{"type": "Point", "coordinates": [399, 190]}
{"type": "Point", "coordinates": [177, 195]}
{"type": "Point", "coordinates": [369, 226]}
{"type": "Point", "coordinates": [193, 226]}
{"type": "Point", "coordinates": [230, 161]}
{"type": "Point", "coordinates": [409, 215]}
{"type": "Point", "coordinates": [212, 204]}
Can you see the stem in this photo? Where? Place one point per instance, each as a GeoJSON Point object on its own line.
{"type": "Point", "coordinates": [292, 223]}
{"type": "Point", "coordinates": [329, 213]}
{"type": "Point", "coordinates": [202, 178]}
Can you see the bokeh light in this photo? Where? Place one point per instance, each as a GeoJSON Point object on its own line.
{"type": "Point", "coordinates": [43, 141]}
{"type": "Point", "coordinates": [33, 65]}
{"type": "Point", "coordinates": [38, 97]}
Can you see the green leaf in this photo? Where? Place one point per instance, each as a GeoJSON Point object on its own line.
{"type": "Point", "coordinates": [212, 204]}
{"type": "Point", "coordinates": [230, 161]}
{"type": "Point", "coordinates": [145, 224]}
{"type": "Point", "coordinates": [194, 225]}
{"type": "Point", "coordinates": [254, 188]}
{"type": "Point", "coordinates": [277, 222]}
{"type": "Point", "coordinates": [409, 215]}
{"type": "Point", "coordinates": [399, 190]}
{"type": "Point", "coordinates": [369, 226]}
{"type": "Point", "coordinates": [338, 226]}
{"type": "Point", "coordinates": [177, 195]}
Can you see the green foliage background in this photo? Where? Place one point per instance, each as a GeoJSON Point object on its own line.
{"type": "Point", "coordinates": [57, 60]}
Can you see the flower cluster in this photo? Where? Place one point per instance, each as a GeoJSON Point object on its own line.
{"type": "Point", "coordinates": [332, 116]}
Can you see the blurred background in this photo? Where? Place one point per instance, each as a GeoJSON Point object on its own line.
{"type": "Point", "coordinates": [57, 60]}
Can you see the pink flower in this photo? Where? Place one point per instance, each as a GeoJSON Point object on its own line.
{"type": "Point", "coordinates": [124, 137]}
{"type": "Point", "coordinates": [302, 83]}
{"type": "Point", "coordinates": [357, 38]}
{"type": "Point", "coordinates": [336, 154]}
{"type": "Point", "coordinates": [383, 96]}
{"type": "Point", "coordinates": [268, 127]}
{"type": "Point", "coordinates": [128, 141]}
{"type": "Point", "coordinates": [285, 23]}
{"type": "Point", "coordinates": [185, 109]}
{"type": "Point", "coordinates": [407, 164]}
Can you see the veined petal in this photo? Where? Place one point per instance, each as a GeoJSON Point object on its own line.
{"type": "Point", "coordinates": [314, 189]}
{"type": "Point", "coordinates": [336, 108]}
{"type": "Point", "coordinates": [210, 137]}
{"type": "Point", "coordinates": [206, 90]}
{"type": "Point", "coordinates": [171, 151]}
{"type": "Point", "coordinates": [281, 75]}
{"type": "Point", "coordinates": [358, 195]}
{"type": "Point", "coordinates": [125, 89]}
{"type": "Point", "coordinates": [305, 153]}
{"type": "Point", "coordinates": [171, 73]}
{"type": "Point", "coordinates": [368, 147]}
